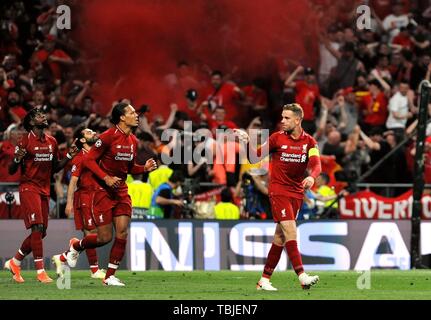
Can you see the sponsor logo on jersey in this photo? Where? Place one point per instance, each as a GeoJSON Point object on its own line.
{"type": "Point", "coordinates": [283, 213]}
{"type": "Point", "coordinates": [38, 157]}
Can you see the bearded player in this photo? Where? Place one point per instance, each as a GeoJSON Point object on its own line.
{"type": "Point", "coordinates": [295, 164]}
{"type": "Point", "coordinates": [80, 194]}
{"type": "Point", "coordinates": [110, 159]}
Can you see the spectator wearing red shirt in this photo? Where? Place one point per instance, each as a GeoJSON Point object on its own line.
{"type": "Point", "coordinates": [403, 39]}
{"type": "Point", "coordinates": [223, 94]}
{"type": "Point", "coordinates": [218, 120]}
{"type": "Point", "coordinates": [255, 97]}
{"type": "Point", "coordinates": [52, 57]}
{"type": "Point", "coordinates": [307, 93]}
{"type": "Point", "coordinates": [374, 107]}
{"type": "Point", "coordinates": [15, 111]}
{"type": "Point", "coordinates": [191, 107]}
{"type": "Point", "coordinates": [7, 152]}
{"type": "Point", "coordinates": [401, 66]}
{"type": "Point", "coordinates": [427, 158]}
{"type": "Point", "coordinates": [5, 83]}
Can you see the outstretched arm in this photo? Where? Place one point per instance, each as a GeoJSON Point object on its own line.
{"type": "Point", "coordinates": [254, 155]}
{"type": "Point", "coordinates": [290, 81]}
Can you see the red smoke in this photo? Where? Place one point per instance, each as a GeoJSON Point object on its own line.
{"type": "Point", "coordinates": [137, 42]}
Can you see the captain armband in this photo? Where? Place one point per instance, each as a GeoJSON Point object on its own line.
{"type": "Point", "coordinates": [313, 152]}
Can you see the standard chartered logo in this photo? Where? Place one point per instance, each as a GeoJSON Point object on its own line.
{"type": "Point", "coordinates": [43, 157]}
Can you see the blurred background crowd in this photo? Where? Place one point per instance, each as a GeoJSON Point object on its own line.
{"type": "Point", "coordinates": [360, 101]}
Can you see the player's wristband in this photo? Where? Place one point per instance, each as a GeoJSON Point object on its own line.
{"type": "Point", "coordinates": [69, 156]}
{"type": "Point", "coordinates": [16, 160]}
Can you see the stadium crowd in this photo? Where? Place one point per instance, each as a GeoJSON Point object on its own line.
{"type": "Point", "coordinates": [360, 101]}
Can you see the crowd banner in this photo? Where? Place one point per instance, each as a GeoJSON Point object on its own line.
{"type": "Point", "coordinates": [368, 205]}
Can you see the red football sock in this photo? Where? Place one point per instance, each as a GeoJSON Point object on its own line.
{"type": "Point", "coordinates": [89, 242]}
{"type": "Point", "coordinates": [294, 256]}
{"type": "Point", "coordinates": [37, 248]}
{"type": "Point", "coordinates": [272, 260]}
{"type": "Point", "coordinates": [117, 253]}
{"type": "Point", "coordinates": [92, 259]}
{"type": "Point", "coordinates": [24, 250]}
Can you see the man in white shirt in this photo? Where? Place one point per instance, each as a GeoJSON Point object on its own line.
{"type": "Point", "coordinates": [399, 110]}
{"type": "Point", "coordinates": [393, 22]}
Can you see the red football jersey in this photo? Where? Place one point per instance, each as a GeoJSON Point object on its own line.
{"type": "Point", "coordinates": [306, 95]}
{"type": "Point", "coordinates": [377, 109]}
{"type": "Point", "coordinates": [225, 97]}
{"type": "Point", "coordinates": [289, 161]}
{"type": "Point", "coordinates": [7, 153]}
{"type": "Point", "coordinates": [37, 163]}
{"type": "Point", "coordinates": [115, 152]}
{"type": "Point", "coordinates": [86, 179]}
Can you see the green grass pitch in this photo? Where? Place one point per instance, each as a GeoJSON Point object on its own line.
{"type": "Point", "coordinates": [222, 285]}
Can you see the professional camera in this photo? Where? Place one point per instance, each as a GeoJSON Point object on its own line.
{"type": "Point", "coordinates": [246, 180]}
{"type": "Point", "coordinates": [253, 198]}
{"type": "Point", "coordinates": [189, 188]}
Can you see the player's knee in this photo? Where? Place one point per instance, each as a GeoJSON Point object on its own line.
{"type": "Point", "coordinates": [278, 241]}
{"type": "Point", "coordinates": [104, 237]}
{"type": "Point", "coordinates": [38, 228]}
{"type": "Point", "coordinates": [291, 236]}
{"type": "Point", "coordinates": [122, 234]}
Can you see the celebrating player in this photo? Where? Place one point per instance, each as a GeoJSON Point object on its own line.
{"type": "Point", "coordinates": [37, 154]}
{"type": "Point", "coordinates": [110, 159]}
{"type": "Point", "coordinates": [293, 151]}
{"type": "Point", "coordinates": [79, 201]}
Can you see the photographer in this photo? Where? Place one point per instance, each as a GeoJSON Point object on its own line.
{"type": "Point", "coordinates": [253, 190]}
{"type": "Point", "coordinates": [189, 188]}
{"type": "Point", "coordinates": [225, 209]}
{"type": "Point", "coordinates": [162, 202]}
{"type": "Point", "coordinates": [325, 196]}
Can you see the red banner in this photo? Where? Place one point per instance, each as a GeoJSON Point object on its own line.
{"type": "Point", "coordinates": [368, 205]}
